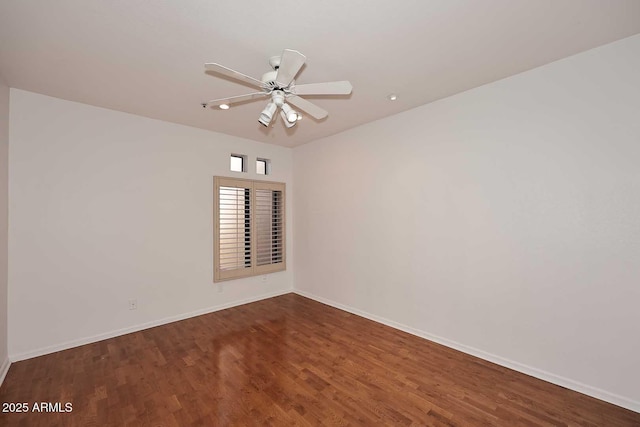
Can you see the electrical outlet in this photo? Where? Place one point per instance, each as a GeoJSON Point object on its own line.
{"type": "Point", "coordinates": [220, 287]}
{"type": "Point", "coordinates": [265, 278]}
{"type": "Point", "coordinates": [133, 304]}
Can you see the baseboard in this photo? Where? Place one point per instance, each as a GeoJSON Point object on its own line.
{"type": "Point", "coordinates": [516, 366]}
{"type": "Point", "coordinates": [95, 338]}
{"type": "Point", "coordinates": [4, 368]}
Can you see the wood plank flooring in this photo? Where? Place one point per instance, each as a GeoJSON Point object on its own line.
{"type": "Point", "coordinates": [287, 361]}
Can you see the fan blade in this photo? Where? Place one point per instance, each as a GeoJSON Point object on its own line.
{"type": "Point", "coordinates": [233, 74]}
{"type": "Point", "coordinates": [290, 63]}
{"type": "Point", "coordinates": [235, 99]}
{"type": "Point", "coordinates": [328, 88]}
{"type": "Point", "coordinates": [312, 109]}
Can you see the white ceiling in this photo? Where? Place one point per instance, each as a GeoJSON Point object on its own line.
{"type": "Point", "coordinates": [147, 57]}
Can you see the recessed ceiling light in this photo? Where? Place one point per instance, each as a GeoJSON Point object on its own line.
{"type": "Point", "coordinates": [392, 97]}
{"type": "Point", "coordinates": [223, 106]}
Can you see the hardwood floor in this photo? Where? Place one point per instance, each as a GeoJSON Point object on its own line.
{"type": "Point", "coordinates": [286, 361]}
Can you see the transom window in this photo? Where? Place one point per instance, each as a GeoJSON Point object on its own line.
{"type": "Point", "coordinates": [263, 166]}
{"type": "Point", "coordinates": [238, 163]}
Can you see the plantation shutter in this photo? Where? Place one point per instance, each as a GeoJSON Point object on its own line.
{"type": "Point", "coordinates": [233, 228]}
{"type": "Point", "coordinates": [249, 226]}
{"type": "Point", "coordinates": [269, 226]}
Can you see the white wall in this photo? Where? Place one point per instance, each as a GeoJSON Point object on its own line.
{"type": "Point", "coordinates": [4, 166]}
{"type": "Point", "coordinates": [504, 221]}
{"type": "Point", "coordinates": [106, 206]}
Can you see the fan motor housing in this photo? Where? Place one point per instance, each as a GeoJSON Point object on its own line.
{"type": "Point", "coordinates": [270, 78]}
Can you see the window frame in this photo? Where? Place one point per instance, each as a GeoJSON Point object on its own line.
{"type": "Point", "coordinates": [254, 269]}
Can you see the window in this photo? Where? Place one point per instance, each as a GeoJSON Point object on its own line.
{"type": "Point", "coordinates": [249, 227]}
{"type": "Point", "coordinates": [238, 163]}
{"type": "Point", "coordinates": [263, 166]}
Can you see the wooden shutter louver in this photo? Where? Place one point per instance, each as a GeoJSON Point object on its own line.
{"type": "Point", "coordinates": [235, 228]}
{"type": "Point", "coordinates": [249, 228]}
{"type": "Point", "coordinates": [269, 227]}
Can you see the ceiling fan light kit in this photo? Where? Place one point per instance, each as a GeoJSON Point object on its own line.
{"type": "Point", "coordinates": [290, 114]}
{"type": "Point", "coordinates": [288, 123]}
{"type": "Point", "coordinates": [280, 86]}
{"type": "Point", "coordinates": [267, 114]}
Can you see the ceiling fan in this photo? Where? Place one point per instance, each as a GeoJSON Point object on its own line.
{"type": "Point", "coordinates": [280, 86]}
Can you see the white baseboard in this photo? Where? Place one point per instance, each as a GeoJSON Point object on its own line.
{"type": "Point", "coordinates": [95, 338]}
{"type": "Point", "coordinates": [525, 369]}
{"type": "Point", "coordinates": [4, 368]}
